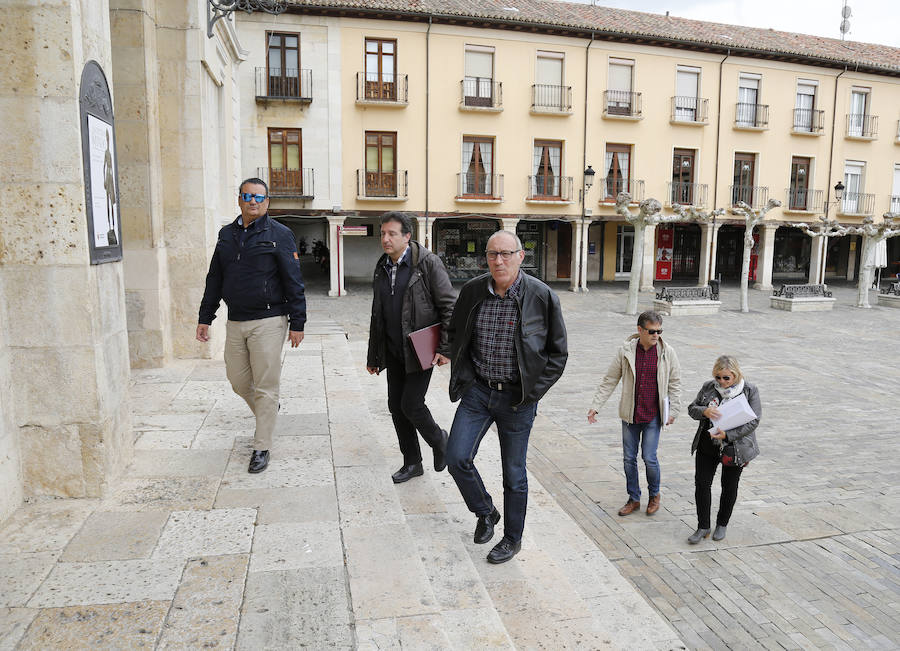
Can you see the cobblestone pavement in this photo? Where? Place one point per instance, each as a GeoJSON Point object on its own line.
{"type": "Point", "coordinates": [812, 555]}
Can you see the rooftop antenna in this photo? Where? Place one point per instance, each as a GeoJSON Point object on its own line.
{"type": "Point", "coordinates": [845, 20]}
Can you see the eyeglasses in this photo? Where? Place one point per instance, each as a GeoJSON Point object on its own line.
{"type": "Point", "coordinates": [248, 197]}
{"type": "Point", "coordinates": [723, 377]}
{"type": "Point", "coordinates": [654, 332]}
{"type": "Point", "coordinates": [506, 255]}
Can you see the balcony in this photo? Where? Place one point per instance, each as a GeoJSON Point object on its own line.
{"type": "Point", "coordinates": [622, 105]}
{"type": "Point", "coordinates": [687, 194]}
{"type": "Point", "coordinates": [751, 117]}
{"type": "Point", "coordinates": [691, 111]}
{"type": "Point", "coordinates": [384, 90]}
{"type": "Point", "coordinates": [897, 139]}
{"type": "Point", "coordinates": [381, 186]}
{"type": "Point", "coordinates": [895, 204]}
{"type": "Point", "coordinates": [754, 196]}
{"type": "Point", "coordinates": [803, 200]}
{"type": "Point", "coordinates": [288, 184]}
{"type": "Point", "coordinates": [861, 126]}
{"type": "Point", "coordinates": [808, 122]}
{"type": "Point", "coordinates": [480, 94]}
{"type": "Point", "coordinates": [479, 187]}
{"type": "Point", "coordinates": [287, 85]}
{"type": "Point", "coordinates": [857, 203]}
{"type": "Point", "coordinates": [551, 100]}
{"type": "Point", "coordinates": [611, 187]}
{"type": "Point", "coordinates": [549, 189]}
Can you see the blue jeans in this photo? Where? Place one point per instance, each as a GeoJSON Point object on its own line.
{"type": "Point", "coordinates": [479, 408]}
{"type": "Point", "coordinates": [647, 435]}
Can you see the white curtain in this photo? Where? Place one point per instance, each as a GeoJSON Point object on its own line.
{"type": "Point", "coordinates": [487, 159]}
{"type": "Point", "coordinates": [467, 180]}
{"type": "Point", "coordinates": [609, 174]}
{"type": "Point", "coordinates": [622, 158]}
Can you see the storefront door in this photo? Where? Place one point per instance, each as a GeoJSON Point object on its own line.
{"type": "Point", "coordinates": [564, 250]}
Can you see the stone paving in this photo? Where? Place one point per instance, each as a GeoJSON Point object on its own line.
{"type": "Point", "coordinates": [322, 550]}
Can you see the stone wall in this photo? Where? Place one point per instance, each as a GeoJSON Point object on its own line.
{"type": "Point", "coordinates": [10, 458]}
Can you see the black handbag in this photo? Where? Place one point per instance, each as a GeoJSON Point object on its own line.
{"type": "Point", "coordinates": [731, 456]}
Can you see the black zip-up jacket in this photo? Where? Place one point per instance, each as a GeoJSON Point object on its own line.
{"type": "Point", "coordinates": [258, 276]}
{"type": "Point", "coordinates": [541, 347]}
{"type": "Point", "coordinates": [428, 299]}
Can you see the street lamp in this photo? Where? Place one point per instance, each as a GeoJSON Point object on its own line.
{"type": "Point", "coordinates": [217, 9]}
{"type": "Point", "coordinates": [586, 185]}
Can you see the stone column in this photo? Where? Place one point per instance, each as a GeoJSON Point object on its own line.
{"type": "Point", "coordinates": [766, 257]}
{"type": "Point", "coordinates": [65, 424]}
{"type": "Point", "coordinates": [576, 247]}
{"type": "Point", "coordinates": [425, 228]}
{"type": "Point", "coordinates": [707, 233]}
{"type": "Point", "coordinates": [336, 257]}
{"type": "Point", "coordinates": [509, 224]}
{"type": "Point", "coordinates": [855, 243]}
{"type": "Point", "coordinates": [816, 254]}
{"type": "Point", "coordinates": [583, 261]}
{"type": "Point", "coordinates": [136, 78]}
{"type": "Point", "coordinates": [648, 270]}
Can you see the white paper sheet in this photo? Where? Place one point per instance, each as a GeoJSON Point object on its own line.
{"type": "Point", "coordinates": [733, 413]}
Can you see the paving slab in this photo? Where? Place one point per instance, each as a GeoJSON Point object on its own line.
{"type": "Point", "coordinates": [164, 440]}
{"type": "Point", "coordinates": [296, 545]}
{"type": "Point", "coordinates": [44, 526]}
{"type": "Point", "coordinates": [162, 494]}
{"type": "Point", "coordinates": [178, 463]}
{"type": "Point", "coordinates": [307, 504]}
{"type": "Point", "coordinates": [205, 533]}
{"type": "Point", "coordinates": [114, 536]}
{"type": "Point", "coordinates": [367, 497]}
{"type": "Point", "coordinates": [13, 624]}
{"type": "Point", "coordinates": [21, 574]}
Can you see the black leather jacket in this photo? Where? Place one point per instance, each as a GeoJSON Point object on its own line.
{"type": "Point", "coordinates": [257, 279]}
{"type": "Point", "coordinates": [541, 348]}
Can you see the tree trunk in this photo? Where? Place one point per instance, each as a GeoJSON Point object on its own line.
{"type": "Point", "coordinates": [637, 260]}
{"type": "Point", "coordinates": [866, 264]}
{"type": "Point", "coordinates": [745, 270]}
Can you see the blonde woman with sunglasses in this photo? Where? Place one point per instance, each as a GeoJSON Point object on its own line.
{"type": "Point", "coordinates": [727, 383]}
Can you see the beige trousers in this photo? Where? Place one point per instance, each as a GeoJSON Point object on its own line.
{"type": "Point", "coordinates": [253, 365]}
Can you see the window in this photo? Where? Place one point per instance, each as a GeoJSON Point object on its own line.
{"type": "Point", "coordinates": [285, 161]}
{"type": "Point", "coordinates": [478, 86]}
{"type": "Point", "coordinates": [619, 98]}
{"type": "Point", "coordinates": [547, 172]}
{"type": "Point", "coordinates": [381, 164]}
{"type": "Point", "coordinates": [798, 194]}
{"type": "Point", "coordinates": [744, 174]}
{"type": "Point", "coordinates": [381, 69]}
{"type": "Point", "coordinates": [618, 170]}
{"type": "Point", "coordinates": [549, 90]}
{"type": "Point", "coordinates": [624, 248]}
{"type": "Point", "coordinates": [683, 176]}
{"type": "Point", "coordinates": [859, 105]}
{"type": "Point", "coordinates": [687, 93]}
{"type": "Point", "coordinates": [895, 193]}
{"type": "Point", "coordinates": [748, 100]}
{"type": "Point", "coordinates": [477, 166]}
{"type": "Point", "coordinates": [854, 176]}
{"type": "Point", "coordinates": [806, 105]}
{"type": "Point", "coordinates": [284, 64]}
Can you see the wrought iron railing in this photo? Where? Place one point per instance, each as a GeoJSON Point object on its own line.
{"type": "Point", "coordinates": [803, 199]}
{"type": "Point", "coordinates": [895, 204]}
{"type": "Point", "coordinates": [388, 185]}
{"type": "Point", "coordinates": [690, 109]}
{"type": "Point", "coordinates": [478, 185]}
{"type": "Point", "coordinates": [857, 203]}
{"type": "Point", "coordinates": [610, 187]}
{"type": "Point", "coordinates": [688, 194]}
{"type": "Point", "coordinates": [622, 103]}
{"type": "Point", "coordinates": [809, 120]}
{"type": "Point", "coordinates": [543, 187]}
{"type": "Point", "coordinates": [481, 92]}
{"type": "Point", "coordinates": [754, 196]}
{"type": "Point", "coordinates": [751, 115]}
{"type": "Point", "coordinates": [861, 125]}
{"type": "Point", "coordinates": [549, 98]}
{"type": "Point", "coordinates": [288, 183]}
{"type": "Point", "coordinates": [386, 87]}
{"type": "Point", "coordinates": [284, 83]}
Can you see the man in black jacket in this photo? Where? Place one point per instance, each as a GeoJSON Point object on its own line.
{"type": "Point", "coordinates": [256, 270]}
{"type": "Point", "coordinates": [411, 291]}
{"type": "Point", "coordinates": [508, 347]}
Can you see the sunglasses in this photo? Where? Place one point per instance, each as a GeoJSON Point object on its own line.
{"type": "Point", "coordinates": [259, 198]}
{"type": "Point", "coordinates": [654, 332]}
{"type": "Point", "coordinates": [722, 377]}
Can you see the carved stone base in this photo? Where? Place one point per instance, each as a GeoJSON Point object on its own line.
{"type": "Point", "coordinates": [802, 304]}
{"type": "Point", "coordinates": [686, 308]}
{"type": "Point", "coordinates": [888, 300]}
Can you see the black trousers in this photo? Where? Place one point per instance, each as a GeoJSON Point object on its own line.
{"type": "Point", "coordinates": [704, 472]}
{"type": "Point", "coordinates": [406, 402]}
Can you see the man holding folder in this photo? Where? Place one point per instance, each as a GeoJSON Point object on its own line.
{"type": "Point", "coordinates": [411, 291]}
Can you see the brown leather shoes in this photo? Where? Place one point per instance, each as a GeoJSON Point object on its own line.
{"type": "Point", "coordinates": [653, 505]}
{"type": "Point", "coordinates": [630, 507]}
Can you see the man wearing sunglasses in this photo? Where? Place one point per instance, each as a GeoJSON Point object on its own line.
{"type": "Point", "coordinates": [508, 347]}
{"type": "Point", "coordinates": [651, 394]}
{"type": "Point", "coordinates": [256, 270]}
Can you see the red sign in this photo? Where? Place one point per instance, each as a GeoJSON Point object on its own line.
{"type": "Point", "coordinates": [665, 240]}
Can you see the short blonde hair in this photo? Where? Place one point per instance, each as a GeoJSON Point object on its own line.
{"type": "Point", "coordinates": [728, 363]}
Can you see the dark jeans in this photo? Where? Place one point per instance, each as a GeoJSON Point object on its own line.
{"type": "Point", "coordinates": [479, 408]}
{"type": "Point", "coordinates": [704, 471]}
{"type": "Point", "coordinates": [406, 402]}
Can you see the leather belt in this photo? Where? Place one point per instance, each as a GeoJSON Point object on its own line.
{"type": "Point", "coordinates": [499, 386]}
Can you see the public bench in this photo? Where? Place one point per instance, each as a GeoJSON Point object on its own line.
{"type": "Point", "coordinates": [889, 296]}
{"type": "Point", "coordinates": [802, 298]}
{"type": "Point", "coordinates": [677, 301]}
